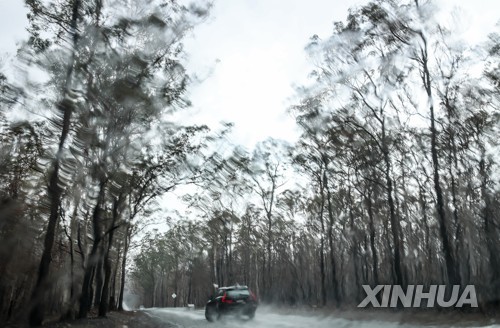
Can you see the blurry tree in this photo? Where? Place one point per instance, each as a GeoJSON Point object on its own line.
{"type": "Point", "coordinates": [112, 74]}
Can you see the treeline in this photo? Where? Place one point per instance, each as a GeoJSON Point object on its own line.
{"type": "Point", "coordinates": [87, 146]}
{"type": "Point", "coordinates": [393, 181]}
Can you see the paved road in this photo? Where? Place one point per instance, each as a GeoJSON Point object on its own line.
{"type": "Point", "coordinates": [267, 318]}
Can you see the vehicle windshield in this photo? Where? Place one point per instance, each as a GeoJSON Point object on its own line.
{"type": "Point", "coordinates": [237, 293]}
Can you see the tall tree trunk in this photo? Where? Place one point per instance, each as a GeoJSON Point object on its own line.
{"type": "Point", "coordinates": [190, 287]}
{"type": "Point", "coordinates": [453, 164]}
{"type": "Point", "coordinates": [104, 304]}
{"type": "Point", "coordinates": [395, 224]}
{"type": "Point", "coordinates": [354, 247]}
{"type": "Point", "coordinates": [451, 268]}
{"type": "Point", "coordinates": [322, 240]}
{"type": "Point", "coordinates": [331, 220]}
{"type": "Point", "coordinates": [113, 303]}
{"type": "Point", "coordinates": [86, 295]}
{"type": "Point", "coordinates": [128, 232]}
{"type": "Point", "coordinates": [490, 231]}
{"type": "Point", "coordinates": [373, 248]}
{"type": "Point", "coordinates": [269, 292]}
{"type": "Point", "coordinates": [70, 314]}
{"type": "Point", "coordinates": [427, 236]}
{"type": "Point", "coordinates": [263, 275]}
{"type": "Point", "coordinates": [99, 278]}
{"type": "Point", "coordinates": [37, 312]}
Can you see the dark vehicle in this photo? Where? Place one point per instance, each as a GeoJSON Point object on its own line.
{"type": "Point", "coordinates": [238, 300]}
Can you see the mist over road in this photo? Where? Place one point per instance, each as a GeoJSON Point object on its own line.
{"type": "Point", "coordinates": [267, 318]}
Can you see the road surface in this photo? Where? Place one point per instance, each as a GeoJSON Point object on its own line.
{"type": "Point", "coordinates": [267, 318]}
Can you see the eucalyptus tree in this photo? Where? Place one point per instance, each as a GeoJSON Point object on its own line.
{"type": "Point", "coordinates": [173, 262]}
{"type": "Point", "coordinates": [66, 19]}
{"type": "Point", "coordinates": [383, 116]}
{"type": "Point", "coordinates": [443, 65]}
{"type": "Point", "coordinates": [221, 202]}
{"type": "Point", "coordinates": [297, 252]}
{"type": "Point", "coordinates": [481, 130]}
{"type": "Point", "coordinates": [397, 112]}
{"type": "Point", "coordinates": [21, 149]}
{"type": "Point", "coordinates": [317, 155]}
{"type": "Point", "coordinates": [248, 247]}
{"type": "Point", "coordinates": [357, 68]}
{"type": "Point", "coordinates": [421, 56]}
{"type": "Point", "coordinates": [155, 170]}
{"type": "Point", "coordinates": [118, 74]}
{"type": "Point", "coordinates": [266, 173]}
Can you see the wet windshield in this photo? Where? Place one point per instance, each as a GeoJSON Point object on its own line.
{"type": "Point", "coordinates": [239, 293]}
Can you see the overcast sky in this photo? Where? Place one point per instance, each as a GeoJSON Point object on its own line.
{"type": "Point", "coordinates": [249, 54]}
{"type": "Point", "coordinates": [254, 50]}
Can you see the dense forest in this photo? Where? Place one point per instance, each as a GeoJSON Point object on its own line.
{"type": "Point", "coordinates": [394, 179]}
{"type": "Point", "coordinates": [87, 145]}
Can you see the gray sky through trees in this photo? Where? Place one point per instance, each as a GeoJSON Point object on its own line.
{"type": "Point", "coordinates": [248, 56]}
{"type": "Point", "coordinates": [360, 147]}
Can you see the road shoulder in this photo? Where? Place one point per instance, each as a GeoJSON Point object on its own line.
{"type": "Point", "coordinates": [114, 319]}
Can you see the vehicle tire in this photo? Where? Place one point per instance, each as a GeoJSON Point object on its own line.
{"type": "Point", "coordinates": [211, 313]}
{"type": "Point", "coordinates": [251, 315]}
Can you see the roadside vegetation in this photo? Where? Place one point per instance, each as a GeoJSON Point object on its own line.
{"type": "Point", "coordinates": [394, 180]}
